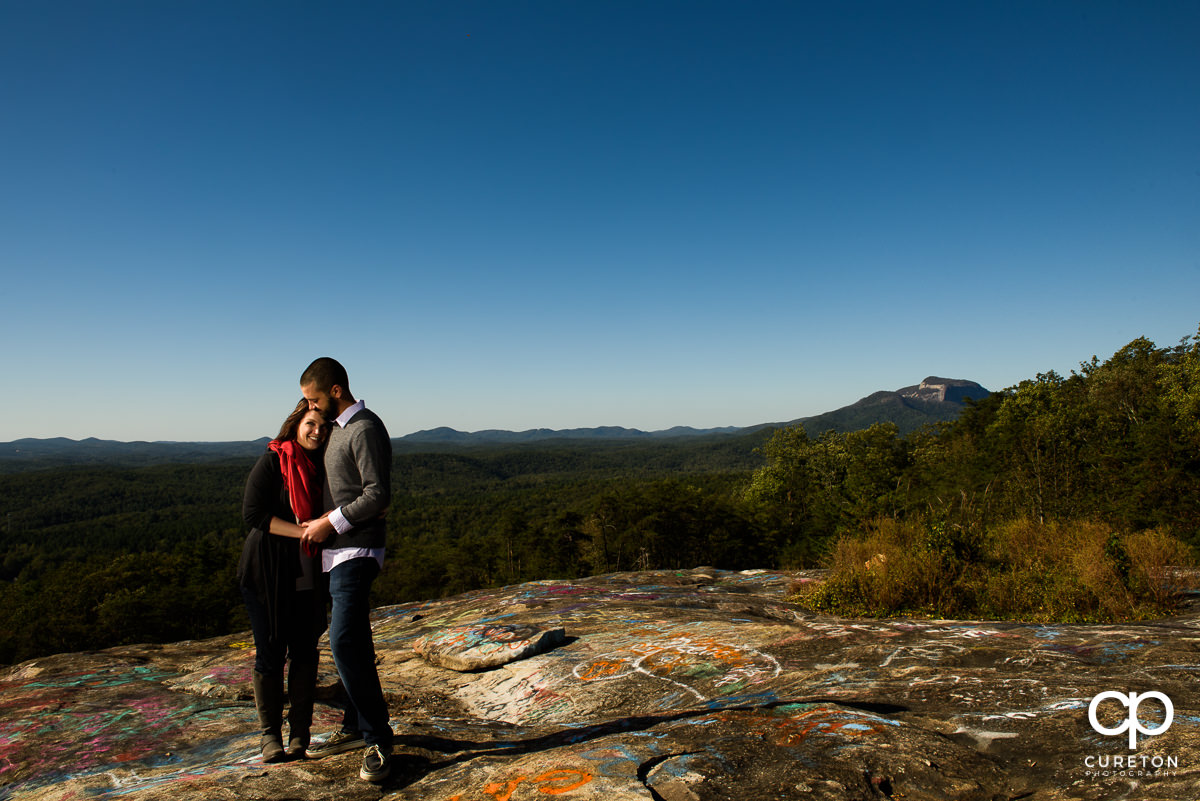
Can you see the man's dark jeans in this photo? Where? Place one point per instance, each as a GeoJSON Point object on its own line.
{"type": "Point", "coordinates": [353, 649]}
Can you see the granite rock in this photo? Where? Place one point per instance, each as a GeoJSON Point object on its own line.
{"type": "Point", "coordinates": [465, 648]}
{"type": "Point", "coordinates": [680, 686]}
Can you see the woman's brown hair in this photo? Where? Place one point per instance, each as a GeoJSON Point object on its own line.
{"type": "Point", "coordinates": [292, 424]}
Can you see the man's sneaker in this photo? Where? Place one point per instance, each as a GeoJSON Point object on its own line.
{"type": "Point", "coordinates": [336, 743]}
{"type": "Point", "coordinates": [377, 764]}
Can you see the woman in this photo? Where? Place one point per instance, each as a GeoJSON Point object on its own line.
{"type": "Point", "coordinates": [280, 582]}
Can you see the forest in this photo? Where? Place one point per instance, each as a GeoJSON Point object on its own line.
{"type": "Point", "coordinates": [100, 556]}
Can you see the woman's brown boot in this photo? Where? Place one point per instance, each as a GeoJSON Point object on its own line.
{"type": "Point", "coordinates": [268, 700]}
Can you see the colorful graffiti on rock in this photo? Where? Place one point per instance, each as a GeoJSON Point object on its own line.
{"type": "Point", "coordinates": [140, 729]}
{"type": "Point", "coordinates": [522, 693]}
{"type": "Point", "coordinates": [793, 724]}
{"type": "Point", "coordinates": [556, 781]}
{"type": "Point", "coordinates": [477, 647]}
{"type": "Point", "coordinates": [614, 767]}
{"type": "Point", "coordinates": [684, 656]}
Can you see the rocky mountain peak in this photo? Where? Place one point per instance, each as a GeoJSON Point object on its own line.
{"type": "Point", "coordinates": [944, 390]}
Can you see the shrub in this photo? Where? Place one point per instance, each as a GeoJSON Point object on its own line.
{"type": "Point", "coordinates": [1160, 566]}
{"type": "Point", "coordinates": [1020, 570]}
{"type": "Point", "coordinates": [894, 567]}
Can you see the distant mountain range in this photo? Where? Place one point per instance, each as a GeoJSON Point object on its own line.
{"type": "Point", "coordinates": [933, 400]}
{"type": "Point", "coordinates": [450, 435]}
{"type": "Point", "coordinates": [63, 451]}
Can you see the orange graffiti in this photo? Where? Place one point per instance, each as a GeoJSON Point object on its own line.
{"type": "Point", "coordinates": [578, 777]}
{"type": "Point", "coordinates": [552, 782]}
{"type": "Point", "coordinates": [795, 729]}
{"type": "Point", "coordinates": [601, 668]}
{"type": "Point", "coordinates": [495, 788]}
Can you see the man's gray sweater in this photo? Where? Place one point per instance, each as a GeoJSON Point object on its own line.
{"type": "Point", "coordinates": [358, 478]}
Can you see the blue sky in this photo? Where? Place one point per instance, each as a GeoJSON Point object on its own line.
{"type": "Point", "coordinates": [563, 214]}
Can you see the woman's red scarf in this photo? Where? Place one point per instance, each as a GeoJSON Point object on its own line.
{"type": "Point", "coordinates": [302, 482]}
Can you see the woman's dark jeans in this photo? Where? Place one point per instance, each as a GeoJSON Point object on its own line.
{"type": "Point", "coordinates": [298, 636]}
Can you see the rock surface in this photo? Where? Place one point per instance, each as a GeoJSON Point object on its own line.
{"type": "Point", "coordinates": [482, 647]}
{"type": "Point", "coordinates": [944, 390]}
{"type": "Point", "coordinates": [679, 686]}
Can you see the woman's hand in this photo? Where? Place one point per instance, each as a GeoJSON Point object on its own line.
{"type": "Point", "coordinates": [317, 531]}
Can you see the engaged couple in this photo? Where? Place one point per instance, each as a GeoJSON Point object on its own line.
{"type": "Point", "coordinates": [316, 505]}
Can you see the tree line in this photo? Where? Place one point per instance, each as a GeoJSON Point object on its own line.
{"type": "Point", "coordinates": [95, 556]}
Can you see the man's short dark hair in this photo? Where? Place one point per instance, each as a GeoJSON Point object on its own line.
{"type": "Point", "coordinates": [323, 373]}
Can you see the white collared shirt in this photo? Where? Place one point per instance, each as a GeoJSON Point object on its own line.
{"type": "Point", "coordinates": [346, 416]}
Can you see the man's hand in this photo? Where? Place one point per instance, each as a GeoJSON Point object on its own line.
{"type": "Point", "coordinates": [317, 531]}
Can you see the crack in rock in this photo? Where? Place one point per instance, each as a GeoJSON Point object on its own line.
{"type": "Point", "coordinates": [677, 791]}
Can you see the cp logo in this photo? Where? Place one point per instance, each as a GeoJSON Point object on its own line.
{"type": "Point", "coordinates": [1132, 724]}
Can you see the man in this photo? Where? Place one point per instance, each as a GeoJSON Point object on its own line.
{"type": "Point", "coordinates": [358, 463]}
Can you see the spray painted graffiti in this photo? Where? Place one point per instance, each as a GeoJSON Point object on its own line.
{"type": "Point", "coordinates": [486, 639]}
{"type": "Point", "coordinates": [557, 781]}
{"type": "Point", "coordinates": [688, 659]}
{"type": "Point", "coordinates": [139, 730]}
{"type": "Point", "coordinates": [522, 694]}
{"type": "Point", "coordinates": [792, 725]}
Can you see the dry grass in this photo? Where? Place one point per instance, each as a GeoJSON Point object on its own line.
{"type": "Point", "coordinates": [1022, 570]}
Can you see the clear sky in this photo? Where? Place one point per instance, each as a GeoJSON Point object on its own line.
{"type": "Point", "coordinates": [571, 214]}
